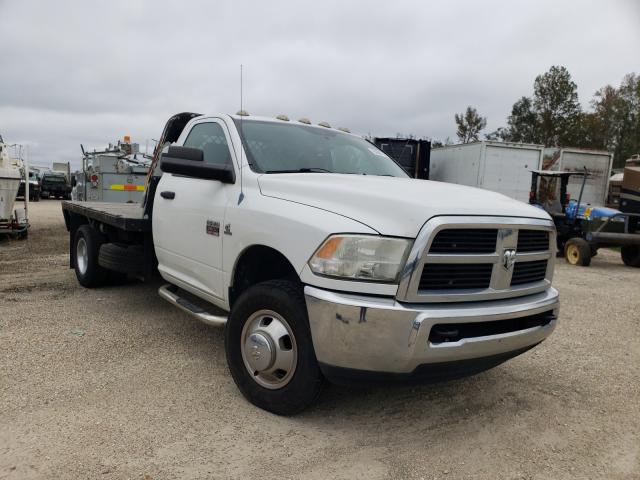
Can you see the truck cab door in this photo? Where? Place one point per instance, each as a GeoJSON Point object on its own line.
{"type": "Point", "coordinates": [188, 215]}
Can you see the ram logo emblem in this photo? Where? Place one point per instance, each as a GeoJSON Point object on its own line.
{"type": "Point", "coordinates": [508, 258]}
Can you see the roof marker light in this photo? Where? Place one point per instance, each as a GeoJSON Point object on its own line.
{"type": "Point", "coordinates": [305, 120]}
{"type": "Point", "coordinates": [324, 124]}
{"type": "Point", "coordinates": [242, 113]}
{"type": "Point", "coordinates": [344, 129]}
{"type": "Point", "coordinates": [284, 118]}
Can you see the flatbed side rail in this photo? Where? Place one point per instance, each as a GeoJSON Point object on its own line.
{"type": "Point", "coordinates": [124, 216]}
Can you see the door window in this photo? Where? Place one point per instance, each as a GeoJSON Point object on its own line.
{"type": "Point", "coordinates": [209, 137]}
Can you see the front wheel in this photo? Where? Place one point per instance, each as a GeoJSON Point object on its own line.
{"type": "Point", "coordinates": [577, 251]}
{"type": "Point", "coordinates": [269, 349]}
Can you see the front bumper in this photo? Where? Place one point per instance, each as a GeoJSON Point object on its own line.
{"type": "Point", "coordinates": [373, 334]}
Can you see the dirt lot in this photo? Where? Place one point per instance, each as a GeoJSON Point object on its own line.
{"type": "Point", "coordinates": [115, 383]}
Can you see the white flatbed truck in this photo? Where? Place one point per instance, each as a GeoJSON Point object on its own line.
{"type": "Point", "coordinates": [322, 259]}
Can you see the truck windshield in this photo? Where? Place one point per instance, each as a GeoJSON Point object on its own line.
{"type": "Point", "coordinates": [288, 147]}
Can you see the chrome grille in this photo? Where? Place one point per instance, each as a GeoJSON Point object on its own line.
{"type": "Point", "coordinates": [465, 240]}
{"type": "Point", "coordinates": [533, 241]}
{"type": "Point", "coordinates": [478, 258]}
{"type": "Point", "coordinates": [443, 276]}
{"type": "Point", "coordinates": [529, 272]}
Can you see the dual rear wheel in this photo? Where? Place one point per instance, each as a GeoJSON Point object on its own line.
{"type": "Point", "coordinates": [97, 262]}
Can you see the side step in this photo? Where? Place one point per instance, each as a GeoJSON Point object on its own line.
{"type": "Point", "coordinates": [170, 294]}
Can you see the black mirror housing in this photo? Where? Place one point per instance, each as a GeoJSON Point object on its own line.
{"type": "Point", "coordinates": [185, 153]}
{"type": "Point", "coordinates": [189, 162]}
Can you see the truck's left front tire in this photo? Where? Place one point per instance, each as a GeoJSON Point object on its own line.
{"type": "Point", "coordinates": [86, 246]}
{"type": "Point", "coordinates": [269, 349]}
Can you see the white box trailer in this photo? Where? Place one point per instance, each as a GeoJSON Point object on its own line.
{"type": "Point", "coordinates": [62, 167]}
{"type": "Point", "coordinates": [498, 166]}
{"type": "Point", "coordinates": [598, 163]}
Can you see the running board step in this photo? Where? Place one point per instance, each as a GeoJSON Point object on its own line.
{"type": "Point", "coordinates": [171, 294]}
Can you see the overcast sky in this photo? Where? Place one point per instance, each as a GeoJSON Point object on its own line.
{"type": "Point", "coordinates": [90, 72]}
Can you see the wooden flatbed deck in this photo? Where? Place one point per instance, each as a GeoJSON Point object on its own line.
{"type": "Point", "coordinates": [125, 216]}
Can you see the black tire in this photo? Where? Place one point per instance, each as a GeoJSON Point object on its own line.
{"type": "Point", "coordinates": [122, 258]}
{"type": "Point", "coordinates": [631, 255]}
{"type": "Point", "coordinates": [577, 251]}
{"type": "Point", "coordinates": [286, 299]}
{"type": "Point", "coordinates": [91, 274]}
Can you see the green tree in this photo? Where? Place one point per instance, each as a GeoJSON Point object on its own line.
{"type": "Point", "coordinates": [498, 134]}
{"type": "Point", "coordinates": [603, 126]}
{"type": "Point", "coordinates": [469, 125]}
{"type": "Point", "coordinates": [523, 123]}
{"type": "Point", "coordinates": [555, 103]}
{"type": "Point", "coordinates": [553, 116]}
{"type": "Point", "coordinates": [614, 123]}
{"type": "Point", "coordinates": [628, 119]}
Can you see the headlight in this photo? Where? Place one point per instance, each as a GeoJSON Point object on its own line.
{"type": "Point", "coordinates": [360, 257]}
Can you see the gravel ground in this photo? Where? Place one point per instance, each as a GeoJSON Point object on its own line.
{"type": "Point", "coordinates": [115, 383]}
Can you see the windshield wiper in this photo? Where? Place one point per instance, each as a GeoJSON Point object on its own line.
{"type": "Point", "coordinates": [302, 170]}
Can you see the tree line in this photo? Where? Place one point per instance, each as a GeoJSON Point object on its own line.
{"type": "Point", "coordinates": [552, 116]}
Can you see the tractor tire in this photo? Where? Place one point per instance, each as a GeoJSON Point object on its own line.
{"type": "Point", "coordinates": [577, 251]}
{"type": "Point", "coordinates": [631, 255]}
{"type": "Point", "coordinates": [123, 258]}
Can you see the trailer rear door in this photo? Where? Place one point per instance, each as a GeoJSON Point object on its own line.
{"type": "Point", "coordinates": [599, 168]}
{"type": "Point", "coordinates": [507, 170]}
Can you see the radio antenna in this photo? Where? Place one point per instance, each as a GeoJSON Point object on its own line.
{"type": "Point", "coordinates": [241, 197]}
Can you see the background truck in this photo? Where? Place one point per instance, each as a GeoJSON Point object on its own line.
{"type": "Point", "coordinates": [55, 185]}
{"type": "Point", "coordinates": [412, 154]}
{"type": "Point", "coordinates": [323, 259]}
{"type": "Point", "coordinates": [34, 186]}
{"type": "Point", "coordinates": [497, 166]}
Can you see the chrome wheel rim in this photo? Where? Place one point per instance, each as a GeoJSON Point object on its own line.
{"type": "Point", "coordinates": [269, 349]}
{"type": "Point", "coordinates": [82, 255]}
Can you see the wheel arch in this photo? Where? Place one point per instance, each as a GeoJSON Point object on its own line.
{"type": "Point", "coordinates": [258, 263]}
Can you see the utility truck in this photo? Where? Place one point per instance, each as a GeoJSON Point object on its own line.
{"type": "Point", "coordinates": [322, 259]}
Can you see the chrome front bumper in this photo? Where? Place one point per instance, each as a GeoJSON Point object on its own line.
{"type": "Point", "coordinates": [374, 334]}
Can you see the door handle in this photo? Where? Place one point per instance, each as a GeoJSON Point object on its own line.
{"type": "Point", "coordinates": [168, 195]}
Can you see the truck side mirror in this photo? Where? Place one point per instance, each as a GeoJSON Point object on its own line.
{"type": "Point", "coordinates": [189, 162]}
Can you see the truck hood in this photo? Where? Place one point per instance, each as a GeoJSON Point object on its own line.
{"type": "Point", "coordinates": [389, 205]}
